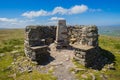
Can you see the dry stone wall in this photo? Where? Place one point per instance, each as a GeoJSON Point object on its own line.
{"type": "Point", "coordinates": [38, 38]}
{"type": "Point", "coordinates": [40, 35]}
{"type": "Point", "coordinates": [87, 57]}
{"type": "Point", "coordinates": [84, 39]}
{"type": "Point", "coordinates": [84, 35]}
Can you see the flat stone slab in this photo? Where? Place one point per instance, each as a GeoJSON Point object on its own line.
{"type": "Point", "coordinates": [83, 47]}
{"type": "Point", "coordinates": [39, 47]}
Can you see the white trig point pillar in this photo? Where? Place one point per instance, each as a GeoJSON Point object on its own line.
{"type": "Point", "coordinates": [62, 34]}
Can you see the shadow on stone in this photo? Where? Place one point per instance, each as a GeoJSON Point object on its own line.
{"type": "Point", "coordinates": [105, 57]}
{"type": "Point", "coordinates": [95, 58]}
{"type": "Point", "coordinates": [69, 47]}
{"type": "Point", "coordinates": [45, 59]}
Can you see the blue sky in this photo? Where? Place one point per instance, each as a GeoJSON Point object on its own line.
{"type": "Point", "coordinates": [19, 13]}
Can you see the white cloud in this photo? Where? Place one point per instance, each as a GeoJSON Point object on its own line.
{"type": "Point", "coordinates": [73, 10]}
{"type": "Point", "coordinates": [95, 10]}
{"type": "Point", "coordinates": [59, 10]}
{"type": "Point", "coordinates": [56, 18]}
{"type": "Point", "coordinates": [22, 21]}
{"type": "Point", "coordinates": [14, 22]}
{"type": "Point", "coordinates": [52, 23]}
{"type": "Point", "coordinates": [77, 9]}
{"type": "Point", "coordinates": [53, 20]}
{"type": "Point", "coordinates": [32, 14]}
{"type": "Point", "coordinates": [7, 20]}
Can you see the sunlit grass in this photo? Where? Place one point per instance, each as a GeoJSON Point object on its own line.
{"type": "Point", "coordinates": [35, 76]}
{"type": "Point", "coordinates": [111, 44]}
{"type": "Point", "coordinates": [11, 45]}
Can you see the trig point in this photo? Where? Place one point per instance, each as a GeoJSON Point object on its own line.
{"type": "Point", "coordinates": [83, 41]}
{"type": "Point", "coordinates": [61, 34]}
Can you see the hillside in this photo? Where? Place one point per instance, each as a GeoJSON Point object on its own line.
{"type": "Point", "coordinates": [110, 30]}
{"type": "Point", "coordinates": [12, 53]}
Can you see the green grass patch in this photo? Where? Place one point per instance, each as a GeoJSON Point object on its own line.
{"type": "Point", "coordinates": [35, 76]}
{"type": "Point", "coordinates": [12, 47]}
{"type": "Point", "coordinates": [112, 45]}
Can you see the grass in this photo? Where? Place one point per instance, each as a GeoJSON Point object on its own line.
{"type": "Point", "coordinates": [111, 44]}
{"type": "Point", "coordinates": [10, 40]}
{"type": "Point", "coordinates": [35, 76]}
{"type": "Point", "coordinates": [12, 47]}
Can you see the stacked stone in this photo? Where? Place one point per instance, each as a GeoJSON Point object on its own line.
{"type": "Point", "coordinates": [75, 34]}
{"type": "Point", "coordinates": [89, 36]}
{"type": "Point", "coordinates": [36, 34]}
{"type": "Point", "coordinates": [84, 40]}
{"type": "Point", "coordinates": [86, 44]}
{"type": "Point", "coordinates": [86, 57]}
{"type": "Point", "coordinates": [84, 35]}
{"type": "Point", "coordinates": [37, 39]}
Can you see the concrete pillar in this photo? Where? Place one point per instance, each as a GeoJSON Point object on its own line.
{"type": "Point", "coordinates": [62, 34]}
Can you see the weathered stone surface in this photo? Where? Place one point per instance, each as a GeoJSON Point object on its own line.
{"type": "Point", "coordinates": [36, 34]}
{"type": "Point", "coordinates": [86, 57]}
{"type": "Point", "coordinates": [62, 34]}
{"type": "Point", "coordinates": [83, 39]}
{"type": "Point", "coordinates": [84, 35]}
{"type": "Point", "coordinates": [37, 39]}
{"type": "Point", "coordinates": [39, 53]}
{"type": "Point", "coordinates": [95, 57]}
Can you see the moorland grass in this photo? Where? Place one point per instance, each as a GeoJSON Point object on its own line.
{"type": "Point", "coordinates": [12, 45]}
{"type": "Point", "coordinates": [111, 44]}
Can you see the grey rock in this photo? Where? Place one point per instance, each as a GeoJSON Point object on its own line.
{"type": "Point", "coordinates": [30, 69]}
{"type": "Point", "coordinates": [78, 70]}
{"type": "Point", "coordinates": [37, 39]}
{"type": "Point", "coordinates": [2, 54]}
{"type": "Point", "coordinates": [103, 76]}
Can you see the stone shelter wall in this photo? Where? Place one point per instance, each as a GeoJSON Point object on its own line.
{"type": "Point", "coordinates": [84, 35]}
{"type": "Point", "coordinates": [37, 39]}
{"type": "Point", "coordinates": [83, 38]}
{"type": "Point", "coordinates": [40, 35]}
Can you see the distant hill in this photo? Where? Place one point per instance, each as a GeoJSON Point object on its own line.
{"type": "Point", "coordinates": [110, 30]}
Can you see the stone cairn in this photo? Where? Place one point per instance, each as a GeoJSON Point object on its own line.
{"type": "Point", "coordinates": [83, 39]}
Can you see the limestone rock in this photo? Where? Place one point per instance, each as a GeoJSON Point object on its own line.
{"type": "Point", "coordinates": [37, 39]}
{"type": "Point", "coordinates": [2, 54]}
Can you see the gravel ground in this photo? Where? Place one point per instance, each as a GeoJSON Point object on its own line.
{"type": "Point", "coordinates": [60, 64]}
